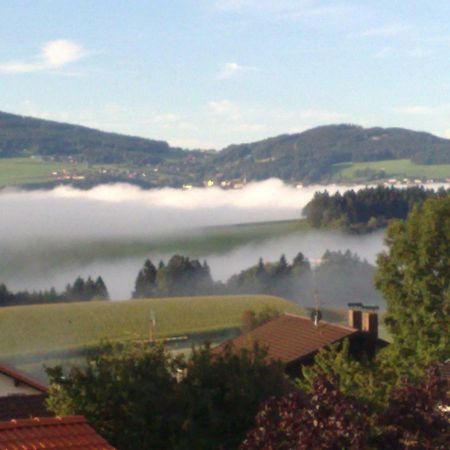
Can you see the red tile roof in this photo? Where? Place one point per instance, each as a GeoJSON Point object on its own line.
{"type": "Point", "coordinates": [23, 407]}
{"type": "Point", "coordinates": [57, 433]}
{"type": "Point", "coordinates": [22, 378]}
{"type": "Point", "coordinates": [290, 337]}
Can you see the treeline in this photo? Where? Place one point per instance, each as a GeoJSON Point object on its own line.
{"type": "Point", "coordinates": [367, 209]}
{"type": "Point", "coordinates": [80, 290]}
{"type": "Point", "coordinates": [341, 277]}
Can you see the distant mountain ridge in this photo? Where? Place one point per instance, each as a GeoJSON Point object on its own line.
{"type": "Point", "coordinates": [307, 156]}
{"type": "Point", "coordinates": [26, 136]}
{"type": "Point", "coordinates": [310, 155]}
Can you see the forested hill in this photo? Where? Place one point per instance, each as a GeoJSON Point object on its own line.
{"type": "Point", "coordinates": [26, 136]}
{"type": "Point", "coordinates": [310, 155]}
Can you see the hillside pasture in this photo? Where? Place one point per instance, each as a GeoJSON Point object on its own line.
{"type": "Point", "coordinates": [400, 168]}
{"type": "Point", "coordinates": [33, 170]}
{"type": "Point", "coordinates": [28, 330]}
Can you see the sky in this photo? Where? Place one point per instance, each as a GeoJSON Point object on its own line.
{"type": "Point", "coordinates": [209, 73]}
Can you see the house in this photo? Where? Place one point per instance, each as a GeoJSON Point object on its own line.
{"type": "Point", "coordinates": [66, 433]}
{"type": "Point", "coordinates": [21, 396]}
{"type": "Point", "coordinates": [295, 340]}
{"type": "Point", "coordinates": [13, 381]}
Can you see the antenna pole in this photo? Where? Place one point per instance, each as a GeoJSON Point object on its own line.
{"type": "Point", "coordinates": [152, 326]}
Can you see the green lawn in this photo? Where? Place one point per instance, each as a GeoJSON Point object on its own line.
{"type": "Point", "coordinates": [400, 168]}
{"type": "Point", "coordinates": [49, 328]}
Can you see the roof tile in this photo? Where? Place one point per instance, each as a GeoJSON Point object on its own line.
{"type": "Point", "coordinates": [58, 433]}
{"type": "Point", "coordinates": [290, 337]}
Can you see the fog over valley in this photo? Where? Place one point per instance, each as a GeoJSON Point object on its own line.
{"type": "Point", "coordinates": [48, 238]}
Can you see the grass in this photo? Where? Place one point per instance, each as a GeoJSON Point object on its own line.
{"type": "Point", "coordinates": [50, 328]}
{"type": "Point", "coordinates": [401, 168]}
{"type": "Point", "coordinates": [22, 171]}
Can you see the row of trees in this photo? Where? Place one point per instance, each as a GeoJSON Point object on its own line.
{"type": "Point", "coordinates": [238, 399]}
{"type": "Point", "coordinates": [367, 209]}
{"type": "Point", "coordinates": [80, 290]}
{"type": "Point", "coordinates": [341, 277]}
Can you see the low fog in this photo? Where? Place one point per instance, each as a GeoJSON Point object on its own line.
{"type": "Point", "coordinates": [48, 238]}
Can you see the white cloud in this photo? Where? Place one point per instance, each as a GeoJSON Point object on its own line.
{"type": "Point", "coordinates": [166, 119]}
{"type": "Point", "coordinates": [225, 107]}
{"type": "Point", "coordinates": [229, 70]}
{"type": "Point", "coordinates": [54, 55]}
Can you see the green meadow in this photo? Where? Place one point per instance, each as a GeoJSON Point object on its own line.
{"type": "Point", "coordinates": [28, 330]}
{"type": "Point", "coordinates": [401, 168]}
{"type": "Point", "coordinates": [23, 171]}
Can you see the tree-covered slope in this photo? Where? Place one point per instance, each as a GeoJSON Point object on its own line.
{"type": "Point", "coordinates": [311, 154]}
{"type": "Point", "coordinates": [25, 136]}
{"type": "Point", "coordinates": [307, 156]}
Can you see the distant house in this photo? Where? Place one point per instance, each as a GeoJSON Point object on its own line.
{"type": "Point", "coordinates": [51, 433]}
{"type": "Point", "coordinates": [295, 340]}
{"type": "Point", "coordinates": [13, 381]}
{"type": "Point", "coordinates": [20, 395]}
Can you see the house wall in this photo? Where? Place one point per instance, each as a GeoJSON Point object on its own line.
{"type": "Point", "coordinates": [8, 387]}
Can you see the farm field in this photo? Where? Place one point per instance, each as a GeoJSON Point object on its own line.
{"type": "Point", "coordinates": [50, 328]}
{"type": "Point", "coordinates": [23, 171]}
{"type": "Point", "coordinates": [400, 168]}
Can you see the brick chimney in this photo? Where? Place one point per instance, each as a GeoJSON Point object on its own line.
{"type": "Point", "coordinates": [355, 315]}
{"type": "Point", "coordinates": [370, 321]}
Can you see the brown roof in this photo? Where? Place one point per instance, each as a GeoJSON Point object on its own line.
{"type": "Point", "coordinates": [290, 337]}
{"type": "Point", "coordinates": [23, 407]}
{"type": "Point", "coordinates": [57, 433]}
{"type": "Point", "coordinates": [22, 378]}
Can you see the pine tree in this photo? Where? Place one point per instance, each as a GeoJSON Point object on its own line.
{"type": "Point", "coordinates": [101, 289]}
{"type": "Point", "coordinates": [145, 284]}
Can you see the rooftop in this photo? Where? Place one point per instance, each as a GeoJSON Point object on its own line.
{"type": "Point", "coordinates": [290, 337]}
{"type": "Point", "coordinates": [22, 378]}
{"type": "Point", "coordinates": [23, 407]}
{"type": "Point", "coordinates": [57, 433]}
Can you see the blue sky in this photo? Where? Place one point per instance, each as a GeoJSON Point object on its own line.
{"type": "Point", "coordinates": [208, 73]}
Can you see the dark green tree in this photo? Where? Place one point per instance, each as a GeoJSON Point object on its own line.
{"type": "Point", "coordinates": [414, 278]}
{"type": "Point", "coordinates": [145, 284]}
{"type": "Point", "coordinates": [101, 291]}
{"type": "Point", "coordinates": [133, 396]}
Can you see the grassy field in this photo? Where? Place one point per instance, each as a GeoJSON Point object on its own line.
{"type": "Point", "coordinates": [402, 168]}
{"type": "Point", "coordinates": [50, 328]}
{"type": "Point", "coordinates": [22, 171]}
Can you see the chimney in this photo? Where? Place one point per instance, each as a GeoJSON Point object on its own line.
{"type": "Point", "coordinates": [370, 321]}
{"type": "Point", "coordinates": [355, 315]}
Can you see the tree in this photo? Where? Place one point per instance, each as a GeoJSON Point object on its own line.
{"type": "Point", "coordinates": [132, 396]}
{"type": "Point", "coordinates": [145, 284]}
{"type": "Point", "coordinates": [414, 418]}
{"type": "Point", "coordinates": [123, 393]}
{"type": "Point", "coordinates": [251, 319]}
{"type": "Point", "coordinates": [414, 278]}
{"type": "Point", "coordinates": [222, 393]}
{"type": "Point", "coordinates": [101, 291]}
{"type": "Point", "coordinates": [323, 420]}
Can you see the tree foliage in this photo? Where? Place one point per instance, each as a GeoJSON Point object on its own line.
{"type": "Point", "coordinates": [414, 418]}
{"type": "Point", "coordinates": [323, 420]}
{"type": "Point", "coordinates": [80, 290]}
{"type": "Point", "coordinates": [414, 278]}
{"type": "Point", "coordinates": [133, 395]}
{"type": "Point", "coordinates": [251, 319]}
{"type": "Point", "coordinates": [366, 209]}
